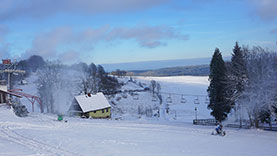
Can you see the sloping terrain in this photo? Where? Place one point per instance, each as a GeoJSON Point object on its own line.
{"type": "Point", "coordinates": [42, 135]}
{"type": "Point", "coordinates": [133, 134]}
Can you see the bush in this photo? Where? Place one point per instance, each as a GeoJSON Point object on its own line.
{"type": "Point", "coordinates": [19, 109]}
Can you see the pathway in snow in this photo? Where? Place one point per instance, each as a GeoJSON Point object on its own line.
{"type": "Point", "coordinates": [38, 147]}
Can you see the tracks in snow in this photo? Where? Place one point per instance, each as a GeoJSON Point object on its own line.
{"type": "Point", "coordinates": [39, 147]}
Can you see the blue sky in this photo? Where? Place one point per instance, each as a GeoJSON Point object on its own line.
{"type": "Point", "coordinates": [113, 31]}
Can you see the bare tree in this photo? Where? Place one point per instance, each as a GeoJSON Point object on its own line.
{"type": "Point", "coordinates": [56, 87]}
{"type": "Point", "coordinates": [153, 85]}
{"type": "Point", "coordinates": [47, 77]}
{"type": "Point", "coordinates": [261, 87]}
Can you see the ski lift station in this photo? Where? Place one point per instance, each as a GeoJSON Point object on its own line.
{"type": "Point", "coordinates": [91, 106]}
{"type": "Point", "coordinates": [4, 93]}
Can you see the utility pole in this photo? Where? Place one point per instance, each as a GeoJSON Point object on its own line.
{"type": "Point", "coordinates": [240, 121]}
{"type": "Point", "coordinates": [195, 113]}
{"type": "Point", "coordinates": [10, 72]}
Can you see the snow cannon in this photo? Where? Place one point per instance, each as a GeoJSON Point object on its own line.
{"type": "Point", "coordinates": [60, 117]}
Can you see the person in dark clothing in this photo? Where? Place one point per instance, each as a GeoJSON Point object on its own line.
{"type": "Point", "coordinates": [219, 128]}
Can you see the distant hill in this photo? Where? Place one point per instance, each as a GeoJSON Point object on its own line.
{"type": "Point", "coordinates": [199, 70]}
{"type": "Point", "coordinates": [153, 65]}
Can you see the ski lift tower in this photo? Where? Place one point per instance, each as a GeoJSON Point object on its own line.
{"type": "Point", "coordinates": [10, 68]}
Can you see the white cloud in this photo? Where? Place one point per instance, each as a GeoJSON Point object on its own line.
{"type": "Point", "coordinates": [265, 9]}
{"type": "Point", "coordinates": [4, 50]}
{"type": "Point", "coordinates": [46, 44]}
{"type": "Point", "coordinates": [4, 47]}
{"type": "Point", "coordinates": [146, 36]}
{"type": "Point", "coordinates": [4, 30]}
{"type": "Point", "coordinates": [52, 44]}
{"type": "Point", "coordinates": [69, 56]}
{"type": "Point", "coordinates": [273, 31]}
{"type": "Point", "coordinates": [10, 9]}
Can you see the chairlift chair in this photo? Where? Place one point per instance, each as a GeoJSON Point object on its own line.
{"type": "Point", "coordinates": [154, 98]}
{"type": "Point", "coordinates": [135, 96]}
{"type": "Point", "coordinates": [196, 101]}
{"type": "Point", "coordinates": [183, 100]}
{"type": "Point", "coordinates": [169, 99]}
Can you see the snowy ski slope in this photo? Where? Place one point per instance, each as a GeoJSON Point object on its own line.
{"type": "Point", "coordinates": [42, 135]}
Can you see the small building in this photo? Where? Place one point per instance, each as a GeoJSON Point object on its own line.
{"type": "Point", "coordinates": [93, 106]}
{"type": "Point", "coordinates": [23, 82]}
{"type": "Point", "coordinates": [4, 93]}
{"type": "Point", "coordinates": [3, 90]}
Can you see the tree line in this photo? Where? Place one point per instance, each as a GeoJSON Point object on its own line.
{"type": "Point", "coordinates": [58, 83]}
{"type": "Point", "coordinates": [248, 83]}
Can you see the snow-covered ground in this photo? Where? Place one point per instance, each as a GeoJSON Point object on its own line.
{"type": "Point", "coordinates": [188, 87]}
{"type": "Point", "coordinates": [42, 135]}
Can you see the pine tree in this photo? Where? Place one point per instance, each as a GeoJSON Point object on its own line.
{"type": "Point", "coordinates": [92, 79]}
{"type": "Point", "coordinates": [106, 83]}
{"type": "Point", "coordinates": [217, 88]}
{"type": "Point", "coordinates": [238, 71]}
{"type": "Point", "coordinates": [237, 78]}
{"type": "Point", "coordinates": [35, 62]}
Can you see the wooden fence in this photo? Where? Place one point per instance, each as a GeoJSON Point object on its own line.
{"type": "Point", "coordinates": [206, 122]}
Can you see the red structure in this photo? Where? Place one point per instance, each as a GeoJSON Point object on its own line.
{"type": "Point", "coordinates": [31, 98]}
{"type": "Point", "coordinates": [7, 61]}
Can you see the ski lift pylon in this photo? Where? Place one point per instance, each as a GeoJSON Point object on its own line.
{"type": "Point", "coordinates": [196, 101]}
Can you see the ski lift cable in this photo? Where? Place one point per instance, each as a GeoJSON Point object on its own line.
{"type": "Point", "coordinates": [182, 94]}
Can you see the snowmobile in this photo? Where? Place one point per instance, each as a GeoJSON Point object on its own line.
{"type": "Point", "coordinates": [219, 131]}
{"type": "Point", "coordinates": [222, 133]}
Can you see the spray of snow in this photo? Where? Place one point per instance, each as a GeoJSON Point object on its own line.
{"type": "Point", "coordinates": [67, 88]}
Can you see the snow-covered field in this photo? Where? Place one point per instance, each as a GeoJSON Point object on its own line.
{"type": "Point", "coordinates": [188, 87]}
{"type": "Point", "coordinates": [41, 135]}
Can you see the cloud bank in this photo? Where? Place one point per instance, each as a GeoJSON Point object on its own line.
{"type": "Point", "coordinates": [4, 50]}
{"type": "Point", "coordinates": [10, 9]}
{"type": "Point", "coordinates": [273, 31]}
{"type": "Point", "coordinates": [4, 30]}
{"type": "Point", "coordinates": [66, 43]}
{"type": "Point", "coordinates": [4, 47]}
{"type": "Point", "coordinates": [265, 9]}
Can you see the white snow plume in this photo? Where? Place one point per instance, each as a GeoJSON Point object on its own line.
{"type": "Point", "coordinates": [66, 90]}
{"type": "Point", "coordinates": [57, 87]}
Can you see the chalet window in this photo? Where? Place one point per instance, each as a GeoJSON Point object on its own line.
{"type": "Point", "coordinates": [94, 111]}
{"type": "Point", "coordinates": [103, 110]}
{"type": "Point", "coordinates": [107, 109]}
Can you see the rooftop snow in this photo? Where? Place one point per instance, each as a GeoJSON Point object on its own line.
{"type": "Point", "coordinates": [92, 103]}
{"type": "Point", "coordinates": [3, 88]}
